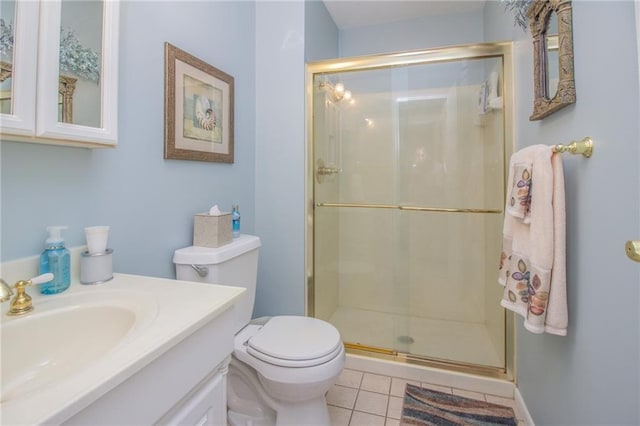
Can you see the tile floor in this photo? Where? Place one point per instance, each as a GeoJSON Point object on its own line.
{"type": "Point", "coordinates": [367, 399]}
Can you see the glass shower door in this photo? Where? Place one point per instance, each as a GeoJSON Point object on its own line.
{"type": "Point", "coordinates": [408, 195]}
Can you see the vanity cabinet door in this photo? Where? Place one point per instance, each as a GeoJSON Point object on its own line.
{"type": "Point", "coordinates": [65, 73]}
{"type": "Point", "coordinates": [18, 62]}
{"type": "Point", "coordinates": [207, 406]}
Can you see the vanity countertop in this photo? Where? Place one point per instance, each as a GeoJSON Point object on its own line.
{"type": "Point", "coordinates": [166, 312]}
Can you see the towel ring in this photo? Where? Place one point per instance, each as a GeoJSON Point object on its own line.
{"type": "Point", "coordinates": [584, 147]}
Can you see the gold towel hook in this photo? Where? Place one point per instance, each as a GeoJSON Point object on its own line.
{"type": "Point", "coordinates": [584, 147]}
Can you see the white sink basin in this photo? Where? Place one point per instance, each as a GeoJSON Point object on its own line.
{"type": "Point", "coordinates": [76, 346]}
{"type": "Point", "coordinates": [64, 335]}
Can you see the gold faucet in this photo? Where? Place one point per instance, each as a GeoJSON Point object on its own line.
{"type": "Point", "coordinates": [21, 303]}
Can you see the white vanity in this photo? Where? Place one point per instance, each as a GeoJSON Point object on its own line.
{"type": "Point", "coordinates": [135, 350]}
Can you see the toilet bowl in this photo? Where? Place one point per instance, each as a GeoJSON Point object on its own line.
{"type": "Point", "coordinates": [292, 383]}
{"type": "Point", "coordinates": [281, 366]}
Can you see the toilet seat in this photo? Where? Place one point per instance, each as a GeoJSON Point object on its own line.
{"type": "Point", "coordinates": [289, 341]}
{"type": "Point", "coordinates": [295, 341]}
{"type": "Point", "coordinates": [291, 379]}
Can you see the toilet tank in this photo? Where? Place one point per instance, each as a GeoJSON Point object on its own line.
{"type": "Point", "coordinates": [234, 264]}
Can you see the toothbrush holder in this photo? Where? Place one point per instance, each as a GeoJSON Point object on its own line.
{"type": "Point", "coordinates": [96, 268]}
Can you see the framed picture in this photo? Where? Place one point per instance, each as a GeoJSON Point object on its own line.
{"type": "Point", "coordinates": [198, 109]}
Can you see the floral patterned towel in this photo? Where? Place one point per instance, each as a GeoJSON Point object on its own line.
{"type": "Point", "coordinates": [533, 260]}
{"type": "Point", "coordinates": [519, 202]}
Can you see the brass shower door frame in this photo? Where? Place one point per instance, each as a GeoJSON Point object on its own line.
{"type": "Point", "coordinates": [476, 51]}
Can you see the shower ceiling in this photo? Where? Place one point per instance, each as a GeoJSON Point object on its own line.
{"type": "Point", "coordinates": [358, 13]}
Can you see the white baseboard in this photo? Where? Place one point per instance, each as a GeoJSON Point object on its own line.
{"type": "Point", "coordinates": [522, 408]}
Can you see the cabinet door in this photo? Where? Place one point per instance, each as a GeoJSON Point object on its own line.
{"type": "Point", "coordinates": [19, 55]}
{"type": "Point", "coordinates": [78, 40]}
{"type": "Point", "coordinates": [206, 407]}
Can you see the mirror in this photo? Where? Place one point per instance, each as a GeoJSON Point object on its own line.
{"type": "Point", "coordinates": [80, 59]}
{"type": "Point", "coordinates": [551, 26]}
{"type": "Point", "coordinates": [65, 98]}
{"type": "Point", "coordinates": [65, 94]}
{"type": "Point", "coordinates": [551, 45]}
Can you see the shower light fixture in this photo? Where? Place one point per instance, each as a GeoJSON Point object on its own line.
{"type": "Point", "coordinates": [337, 91]}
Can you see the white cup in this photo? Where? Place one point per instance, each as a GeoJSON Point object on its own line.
{"type": "Point", "coordinates": [97, 237]}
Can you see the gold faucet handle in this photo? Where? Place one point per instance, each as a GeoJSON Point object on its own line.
{"type": "Point", "coordinates": [21, 304]}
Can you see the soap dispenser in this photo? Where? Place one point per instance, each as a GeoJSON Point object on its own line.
{"type": "Point", "coordinates": [235, 220]}
{"type": "Point", "coordinates": [57, 260]}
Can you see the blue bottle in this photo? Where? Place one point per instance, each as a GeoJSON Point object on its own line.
{"type": "Point", "coordinates": [57, 260]}
{"type": "Point", "coordinates": [235, 220]}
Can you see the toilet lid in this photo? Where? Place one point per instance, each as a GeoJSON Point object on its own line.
{"type": "Point", "coordinates": [295, 341]}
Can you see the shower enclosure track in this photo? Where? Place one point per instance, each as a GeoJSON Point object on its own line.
{"type": "Point", "coordinates": [411, 208]}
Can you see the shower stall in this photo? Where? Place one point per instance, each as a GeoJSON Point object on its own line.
{"type": "Point", "coordinates": [406, 186]}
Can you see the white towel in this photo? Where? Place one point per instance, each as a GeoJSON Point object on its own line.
{"type": "Point", "coordinates": [533, 262]}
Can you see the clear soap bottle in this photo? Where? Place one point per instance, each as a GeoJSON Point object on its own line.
{"type": "Point", "coordinates": [235, 220]}
{"type": "Point", "coordinates": [55, 259]}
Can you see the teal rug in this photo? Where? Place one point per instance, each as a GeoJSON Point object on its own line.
{"type": "Point", "coordinates": [428, 407]}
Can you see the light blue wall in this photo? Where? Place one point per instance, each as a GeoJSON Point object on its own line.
{"type": "Point", "coordinates": [321, 33]}
{"type": "Point", "coordinates": [286, 34]}
{"type": "Point", "coordinates": [592, 376]}
{"type": "Point", "coordinates": [149, 202]}
{"type": "Point", "coordinates": [499, 24]}
{"type": "Point", "coordinates": [280, 142]}
{"type": "Point", "coordinates": [437, 31]}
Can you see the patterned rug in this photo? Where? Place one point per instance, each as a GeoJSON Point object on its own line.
{"type": "Point", "coordinates": [428, 407]}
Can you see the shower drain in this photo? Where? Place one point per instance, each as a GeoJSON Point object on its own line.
{"type": "Point", "coordinates": [405, 339]}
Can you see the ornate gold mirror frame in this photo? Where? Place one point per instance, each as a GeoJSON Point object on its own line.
{"type": "Point", "coordinates": [66, 87]}
{"type": "Point", "coordinates": [539, 14]}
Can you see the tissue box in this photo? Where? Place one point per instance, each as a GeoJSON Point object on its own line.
{"type": "Point", "coordinates": [211, 231]}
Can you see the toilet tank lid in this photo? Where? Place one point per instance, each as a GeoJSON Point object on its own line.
{"type": "Point", "coordinates": [194, 255]}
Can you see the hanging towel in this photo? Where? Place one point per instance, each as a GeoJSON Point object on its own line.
{"type": "Point", "coordinates": [533, 263]}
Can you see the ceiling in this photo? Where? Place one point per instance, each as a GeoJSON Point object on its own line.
{"type": "Point", "coordinates": [358, 13]}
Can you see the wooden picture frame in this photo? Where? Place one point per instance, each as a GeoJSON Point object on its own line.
{"type": "Point", "coordinates": [198, 109]}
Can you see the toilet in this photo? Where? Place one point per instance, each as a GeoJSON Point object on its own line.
{"type": "Point", "coordinates": [281, 366]}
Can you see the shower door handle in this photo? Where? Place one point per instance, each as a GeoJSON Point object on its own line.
{"type": "Point", "coordinates": [322, 171]}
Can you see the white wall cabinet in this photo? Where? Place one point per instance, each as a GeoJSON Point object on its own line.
{"type": "Point", "coordinates": [36, 100]}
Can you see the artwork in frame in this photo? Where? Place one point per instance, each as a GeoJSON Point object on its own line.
{"type": "Point", "coordinates": [198, 109]}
